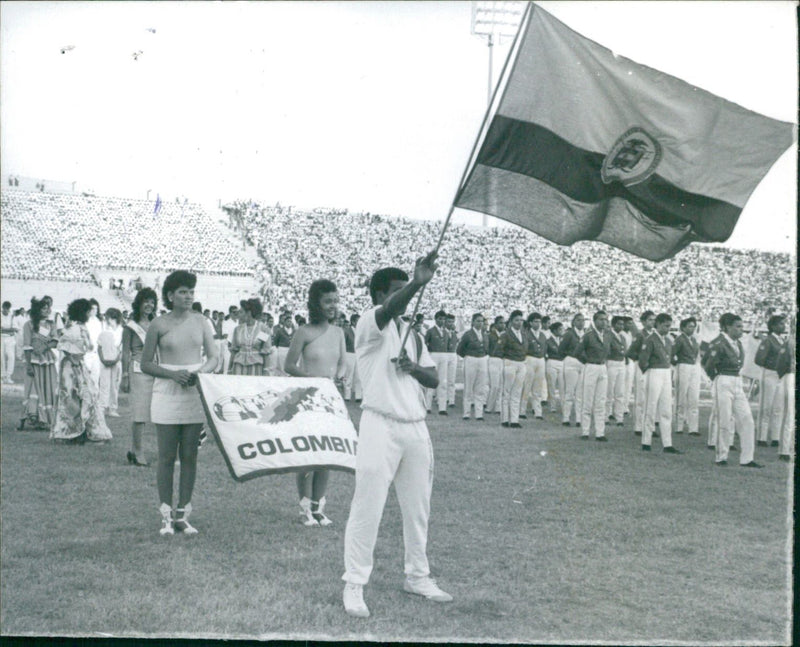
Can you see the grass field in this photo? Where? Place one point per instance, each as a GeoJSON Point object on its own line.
{"type": "Point", "coordinates": [591, 542]}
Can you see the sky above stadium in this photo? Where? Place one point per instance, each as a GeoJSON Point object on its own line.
{"type": "Point", "coordinates": [370, 106]}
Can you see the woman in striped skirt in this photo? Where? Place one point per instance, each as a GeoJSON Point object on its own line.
{"type": "Point", "coordinates": [251, 343]}
{"type": "Point", "coordinates": [39, 340]}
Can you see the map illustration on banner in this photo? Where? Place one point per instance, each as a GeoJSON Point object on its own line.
{"type": "Point", "coordinates": [270, 425]}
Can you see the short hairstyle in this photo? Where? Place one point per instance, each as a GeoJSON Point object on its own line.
{"type": "Point", "coordinates": [197, 307]}
{"type": "Point", "coordinates": [728, 319]}
{"type": "Point", "coordinates": [439, 314]}
{"type": "Point", "coordinates": [300, 320]}
{"type": "Point", "coordinates": [318, 288]}
{"type": "Point", "coordinates": [646, 315]}
{"type": "Point", "coordinates": [450, 316]}
{"type": "Point", "coordinates": [178, 279]}
{"type": "Point", "coordinates": [773, 322]}
{"type": "Point", "coordinates": [476, 315]}
{"type": "Point", "coordinates": [143, 295]}
{"type": "Point", "coordinates": [354, 319]}
{"type": "Point", "coordinates": [534, 316]}
{"type": "Point", "coordinates": [574, 317]}
{"type": "Point", "coordinates": [555, 326]}
{"type": "Point", "coordinates": [598, 314]}
{"type": "Point", "coordinates": [514, 313]}
{"type": "Point", "coordinates": [546, 318]}
{"type": "Point", "coordinates": [382, 280]}
{"type": "Point", "coordinates": [78, 310]}
{"type": "Point", "coordinates": [499, 319]}
{"type": "Point", "coordinates": [687, 321]}
{"type": "Point", "coordinates": [115, 314]}
{"type": "Point", "coordinates": [617, 319]}
{"type": "Point", "coordinates": [663, 318]}
{"type": "Point", "coordinates": [6, 304]}
{"type": "Point", "coordinates": [232, 309]}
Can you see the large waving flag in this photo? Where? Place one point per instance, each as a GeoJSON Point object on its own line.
{"type": "Point", "coordinates": [586, 145]}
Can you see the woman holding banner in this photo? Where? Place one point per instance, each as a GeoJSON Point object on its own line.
{"type": "Point", "coordinates": [320, 346]}
{"type": "Point", "coordinates": [181, 337]}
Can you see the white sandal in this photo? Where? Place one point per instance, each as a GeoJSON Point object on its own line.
{"type": "Point", "coordinates": [185, 527]}
{"type": "Point", "coordinates": [305, 510]}
{"type": "Point", "coordinates": [166, 520]}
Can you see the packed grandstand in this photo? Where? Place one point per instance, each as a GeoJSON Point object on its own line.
{"type": "Point", "coordinates": [70, 237]}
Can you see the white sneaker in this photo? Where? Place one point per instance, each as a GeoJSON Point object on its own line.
{"type": "Point", "coordinates": [426, 587]}
{"type": "Point", "coordinates": [353, 598]}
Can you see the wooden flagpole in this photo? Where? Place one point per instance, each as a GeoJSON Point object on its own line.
{"type": "Point", "coordinates": [468, 166]}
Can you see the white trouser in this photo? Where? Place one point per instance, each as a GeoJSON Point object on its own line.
{"type": "Point", "coordinates": [282, 352]}
{"type": "Point", "coordinates": [638, 398]}
{"type": "Point", "coordinates": [352, 384]}
{"type": "Point", "coordinates": [658, 405]}
{"type": "Point", "coordinates": [732, 405]}
{"type": "Point", "coordinates": [513, 379]}
{"type": "Point", "coordinates": [389, 451]}
{"type": "Point", "coordinates": [630, 374]}
{"type": "Point", "coordinates": [495, 396]}
{"type": "Point", "coordinates": [770, 406]}
{"type": "Point", "coordinates": [442, 361]}
{"type": "Point", "coordinates": [534, 386]}
{"type": "Point", "coordinates": [787, 425]}
{"type": "Point", "coordinates": [573, 370]}
{"type": "Point", "coordinates": [593, 397]}
{"type": "Point", "coordinates": [687, 396]}
{"type": "Point", "coordinates": [713, 420]}
{"type": "Point", "coordinates": [108, 396]}
{"type": "Point", "coordinates": [8, 357]}
{"type": "Point", "coordinates": [93, 365]}
{"type": "Point", "coordinates": [615, 395]}
{"type": "Point", "coordinates": [554, 370]}
{"type": "Point", "coordinates": [224, 356]}
{"type": "Point", "coordinates": [452, 366]}
{"type": "Point", "coordinates": [476, 384]}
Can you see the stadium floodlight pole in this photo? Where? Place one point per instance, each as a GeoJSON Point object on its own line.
{"type": "Point", "coordinates": [468, 165]}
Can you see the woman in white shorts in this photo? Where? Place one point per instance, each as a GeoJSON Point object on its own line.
{"type": "Point", "coordinates": [181, 337]}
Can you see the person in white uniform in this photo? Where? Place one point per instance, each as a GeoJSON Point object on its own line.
{"type": "Point", "coordinates": [770, 401]}
{"type": "Point", "coordinates": [394, 444]}
{"type": "Point", "coordinates": [10, 327]}
{"type": "Point", "coordinates": [474, 347]}
{"type": "Point", "coordinates": [436, 339]}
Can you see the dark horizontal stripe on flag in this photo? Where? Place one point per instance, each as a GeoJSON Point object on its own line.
{"type": "Point", "coordinates": [534, 151]}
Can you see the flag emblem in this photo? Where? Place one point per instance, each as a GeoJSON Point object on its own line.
{"type": "Point", "coordinates": [633, 158]}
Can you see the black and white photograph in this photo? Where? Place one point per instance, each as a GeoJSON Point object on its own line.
{"type": "Point", "coordinates": [399, 321]}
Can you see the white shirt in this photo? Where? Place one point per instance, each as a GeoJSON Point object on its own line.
{"type": "Point", "coordinates": [10, 321]}
{"type": "Point", "coordinates": [94, 326]}
{"type": "Point", "coordinates": [228, 326]}
{"type": "Point", "coordinates": [386, 389]}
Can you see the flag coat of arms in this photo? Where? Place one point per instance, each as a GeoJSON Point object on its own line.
{"type": "Point", "coordinates": [270, 425]}
{"type": "Point", "coordinates": [587, 145]}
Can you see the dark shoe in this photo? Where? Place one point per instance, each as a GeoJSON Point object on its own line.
{"type": "Point", "coordinates": [672, 450]}
{"type": "Point", "coordinates": [679, 432]}
{"type": "Point", "coordinates": [504, 424]}
{"type": "Point", "coordinates": [694, 433]}
{"type": "Point", "coordinates": [637, 433]}
{"type": "Point", "coordinates": [481, 418]}
{"type": "Point", "coordinates": [710, 447]}
{"type": "Point", "coordinates": [601, 439]}
{"type": "Point", "coordinates": [452, 405]}
{"type": "Point", "coordinates": [733, 448]}
{"type": "Point", "coordinates": [774, 443]}
{"type": "Point", "coordinates": [577, 424]}
{"type": "Point", "coordinates": [544, 403]}
{"type": "Point", "coordinates": [443, 413]}
{"type": "Point", "coordinates": [515, 425]}
{"type": "Point", "coordinates": [656, 424]}
{"type": "Point", "coordinates": [21, 425]}
{"type": "Point", "coordinates": [645, 448]}
{"type": "Point", "coordinates": [785, 457]}
{"type": "Point", "coordinates": [620, 424]}
{"type": "Point", "coordinates": [131, 458]}
{"type": "Point", "coordinates": [584, 436]}
{"type": "Point", "coordinates": [751, 464]}
{"type": "Point", "coordinates": [522, 416]}
{"type": "Point", "coordinates": [540, 417]}
{"type": "Point", "coordinates": [722, 463]}
{"type": "Point", "coordinates": [656, 434]}
{"type": "Point", "coordinates": [565, 424]}
{"type": "Point", "coordinates": [762, 443]}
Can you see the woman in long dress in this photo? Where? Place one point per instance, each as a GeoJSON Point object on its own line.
{"type": "Point", "coordinates": [138, 384]}
{"type": "Point", "coordinates": [39, 340]}
{"type": "Point", "coordinates": [180, 337]}
{"type": "Point", "coordinates": [78, 415]}
{"type": "Point", "coordinates": [94, 324]}
{"type": "Point", "coordinates": [251, 342]}
{"type": "Point", "coordinates": [320, 346]}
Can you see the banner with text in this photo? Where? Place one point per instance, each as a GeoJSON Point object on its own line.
{"type": "Point", "coordinates": [269, 425]}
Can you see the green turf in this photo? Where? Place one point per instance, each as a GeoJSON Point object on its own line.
{"type": "Point", "coordinates": [591, 542]}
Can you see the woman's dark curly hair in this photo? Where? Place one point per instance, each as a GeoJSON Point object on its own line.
{"type": "Point", "coordinates": [253, 306]}
{"type": "Point", "coordinates": [178, 279]}
{"type": "Point", "coordinates": [315, 294]}
{"type": "Point", "coordinates": [143, 295]}
{"type": "Point", "coordinates": [78, 310]}
{"type": "Point", "coordinates": [37, 305]}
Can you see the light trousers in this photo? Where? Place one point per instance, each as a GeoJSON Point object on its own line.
{"type": "Point", "coordinates": [8, 357]}
{"type": "Point", "coordinates": [476, 384]}
{"type": "Point", "coordinates": [533, 389]}
{"type": "Point", "coordinates": [732, 407]}
{"type": "Point", "coordinates": [513, 380]}
{"type": "Point", "coordinates": [281, 352]}
{"type": "Point", "coordinates": [638, 398]}
{"type": "Point", "coordinates": [573, 370]}
{"type": "Point", "coordinates": [630, 375]}
{"type": "Point", "coordinates": [442, 361]}
{"type": "Point", "coordinates": [554, 372]}
{"type": "Point", "coordinates": [687, 397]}
{"type": "Point", "coordinates": [770, 406]}
{"type": "Point", "coordinates": [108, 395]}
{"type": "Point", "coordinates": [787, 424]}
{"type": "Point", "coordinates": [389, 452]}
{"type": "Point", "coordinates": [93, 365]}
{"type": "Point", "coordinates": [615, 395]}
{"type": "Point", "coordinates": [593, 396]}
{"type": "Point", "coordinates": [452, 366]}
{"type": "Point", "coordinates": [495, 395]}
{"type": "Point", "coordinates": [658, 405]}
{"type": "Point", "coordinates": [224, 357]}
{"type": "Point", "coordinates": [352, 383]}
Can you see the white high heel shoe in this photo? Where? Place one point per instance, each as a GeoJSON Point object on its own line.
{"type": "Point", "coordinates": [181, 522]}
{"type": "Point", "coordinates": [305, 510]}
{"type": "Point", "coordinates": [166, 520]}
